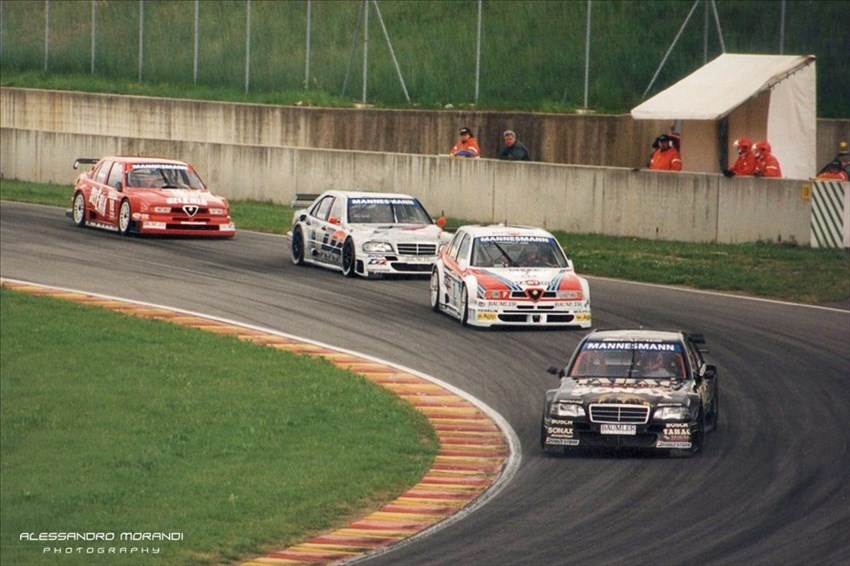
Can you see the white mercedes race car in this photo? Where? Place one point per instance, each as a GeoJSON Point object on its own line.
{"type": "Point", "coordinates": [368, 234]}
{"type": "Point", "coordinates": [508, 275]}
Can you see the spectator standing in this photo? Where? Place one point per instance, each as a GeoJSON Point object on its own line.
{"type": "Point", "coordinates": [467, 146]}
{"type": "Point", "coordinates": [513, 149]}
{"type": "Point", "coordinates": [766, 163]}
{"type": "Point", "coordinates": [746, 162]}
{"type": "Point", "coordinates": [665, 157]}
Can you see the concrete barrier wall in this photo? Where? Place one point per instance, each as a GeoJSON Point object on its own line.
{"type": "Point", "coordinates": [617, 201]}
{"type": "Point", "coordinates": [604, 140]}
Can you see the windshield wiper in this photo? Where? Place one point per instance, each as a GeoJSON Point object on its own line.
{"type": "Point", "coordinates": [511, 262]}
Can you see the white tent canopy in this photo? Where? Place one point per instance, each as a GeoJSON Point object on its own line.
{"type": "Point", "coordinates": [770, 97]}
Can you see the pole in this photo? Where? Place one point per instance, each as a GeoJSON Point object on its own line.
{"type": "Point", "coordinates": [93, 33]}
{"type": "Point", "coordinates": [46, 33]}
{"type": "Point", "coordinates": [672, 45]}
{"type": "Point", "coordinates": [307, 50]}
{"type": "Point", "coordinates": [353, 49]}
{"type": "Point", "coordinates": [705, 34]}
{"type": "Point", "coordinates": [365, 47]}
{"type": "Point", "coordinates": [392, 51]}
{"type": "Point", "coordinates": [478, 51]}
{"type": "Point", "coordinates": [782, 28]}
{"type": "Point", "coordinates": [196, 39]}
{"type": "Point", "coordinates": [587, 54]}
{"type": "Point", "coordinates": [247, 44]}
{"type": "Point", "coordinates": [719, 31]}
{"type": "Point", "coordinates": [141, 36]}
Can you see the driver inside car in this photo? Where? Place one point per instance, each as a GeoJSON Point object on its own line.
{"type": "Point", "coordinates": [656, 364]}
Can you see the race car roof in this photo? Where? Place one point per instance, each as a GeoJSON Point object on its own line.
{"type": "Point", "coordinates": [476, 231]}
{"type": "Point", "coordinates": [368, 194]}
{"type": "Point", "coordinates": [139, 159]}
{"type": "Point", "coordinates": [721, 86]}
{"type": "Point", "coordinates": [636, 335]}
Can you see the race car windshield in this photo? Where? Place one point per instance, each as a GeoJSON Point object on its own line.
{"type": "Point", "coordinates": [164, 177]}
{"type": "Point", "coordinates": [524, 253]}
{"type": "Point", "coordinates": [600, 360]}
{"type": "Point", "coordinates": [387, 211]}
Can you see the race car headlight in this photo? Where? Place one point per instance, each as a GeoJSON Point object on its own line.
{"type": "Point", "coordinates": [162, 209]}
{"type": "Point", "coordinates": [567, 410]}
{"type": "Point", "coordinates": [675, 413]}
{"type": "Point", "coordinates": [492, 295]}
{"type": "Point", "coordinates": [377, 247]}
{"type": "Point", "coordinates": [218, 211]}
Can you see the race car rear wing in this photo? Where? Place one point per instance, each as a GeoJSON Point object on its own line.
{"type": "Point", "coordinates": [85, 160]}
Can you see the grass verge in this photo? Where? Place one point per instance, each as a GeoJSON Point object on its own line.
{"type": "Point", "coordinates": [113, 424]}
{"type": "Point", "coordinates": [763, 269]}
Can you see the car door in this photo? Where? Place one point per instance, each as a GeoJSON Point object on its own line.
{"type": "Point", "coordinates": [104, 195]}
{"type": "Point", "coordinates": [453, 272]}
{"type": "Point", "coordinates": [315, 229]}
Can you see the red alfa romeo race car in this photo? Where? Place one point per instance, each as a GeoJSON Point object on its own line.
{"type": "Point", "coordinates": [148, 195]}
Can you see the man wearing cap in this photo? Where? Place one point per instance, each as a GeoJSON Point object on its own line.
{"type": "Point", "coordinates": [665, 157]}
{"type": "Point", "coordinates": [467, 146]}
{"type": "Point", "coordinates": [513, 150]}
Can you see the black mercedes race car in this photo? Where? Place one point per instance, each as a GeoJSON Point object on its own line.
{"type": "Point", "coordinates": [644, 389]}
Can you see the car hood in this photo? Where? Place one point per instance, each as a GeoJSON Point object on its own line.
{"type": "Point", "coordinates": [520, 279]}
{"type": "Point", "coordinates": [429, 233]}
{"type": "Point", "coordinates": [176, 197]}
{"type": "Point", "coordinates": [612, 390]}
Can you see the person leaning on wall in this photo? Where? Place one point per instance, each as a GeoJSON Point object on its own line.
{"type": "Point", "coordinates": [467, 145]}
{"type": "Point", "coordinates": [665, 157]}
{"type": "Point", "coordinates": [513, 150]}
{"type": "Point", "coordinates": [746, 162]}
{"type": "Point", "coordinates": [766, 163]}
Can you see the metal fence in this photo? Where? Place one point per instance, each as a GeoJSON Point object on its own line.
{"type": "Point", "coordinates": [588, 54]}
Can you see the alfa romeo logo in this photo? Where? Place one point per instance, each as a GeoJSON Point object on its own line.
{"type": "Point", "coordinates": [190, 209]}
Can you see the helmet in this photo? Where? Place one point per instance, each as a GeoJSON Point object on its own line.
{"type": "Point", "coordinates": [761, 147]}
{"type": "Point", "coordinates": [743, 143]}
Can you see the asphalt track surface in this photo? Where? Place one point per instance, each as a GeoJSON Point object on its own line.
{"type": "Point", "coordinates": [770, 487]}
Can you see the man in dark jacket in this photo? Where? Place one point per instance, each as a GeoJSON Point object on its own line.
{"type": "Point", "coordinates": [513, 149]}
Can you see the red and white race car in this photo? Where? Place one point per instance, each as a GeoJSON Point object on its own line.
{"type": "Point", "coordinates": [508, 275]}
{"type": "Point", "coordinates": [147, 195]}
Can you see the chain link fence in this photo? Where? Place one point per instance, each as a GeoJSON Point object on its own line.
{"type": "Point", "coordinates": [536, 55]}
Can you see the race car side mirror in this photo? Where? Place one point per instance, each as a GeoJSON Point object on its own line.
{"type": "Point", "coordinates": [710, 371]}
{"type": "Point", "coordinates": [555, 371]}
{"type": "Point", "coordinates": [333, 220]}
{"type": "Point", "coordinates": [441, 222]}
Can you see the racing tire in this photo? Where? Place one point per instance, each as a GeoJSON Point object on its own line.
{"type": "Point", "coordinates": [464, 306]}
{"type": "Point", "coordinates": [434, 288]}
{"type": "Point", "coordinates": [349, 259]}
{"type": "Point", "coordinates": [696, 441]}
{"type": "Point", "coordinates": [297, 247]}
{"type": "Point", "coordinates": [125, 220]}
{"type": "Point", "coordinates": [78, 210]}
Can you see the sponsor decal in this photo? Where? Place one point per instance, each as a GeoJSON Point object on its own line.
{"type": "Point", "coordinates": [562, 441]}
{"type": "Point", "coordinates": [648, 346]}
{"type": "Point", "coordinates": [186, 199]}
{"type": "Point", "coordinates": [514, 239]}
{"type": "Point", "coordinates": [490, 316]}
{"type": "Point", "coordinates": [405, 201]}
{"type": "Point", "coordinates": [666, 444]}
{"type": "Point", "coordinates": [582, 317]}
{"type": "Point", "coordinates": [175, 167]}
{"type": "Point", "coordinates": [98, 198]}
